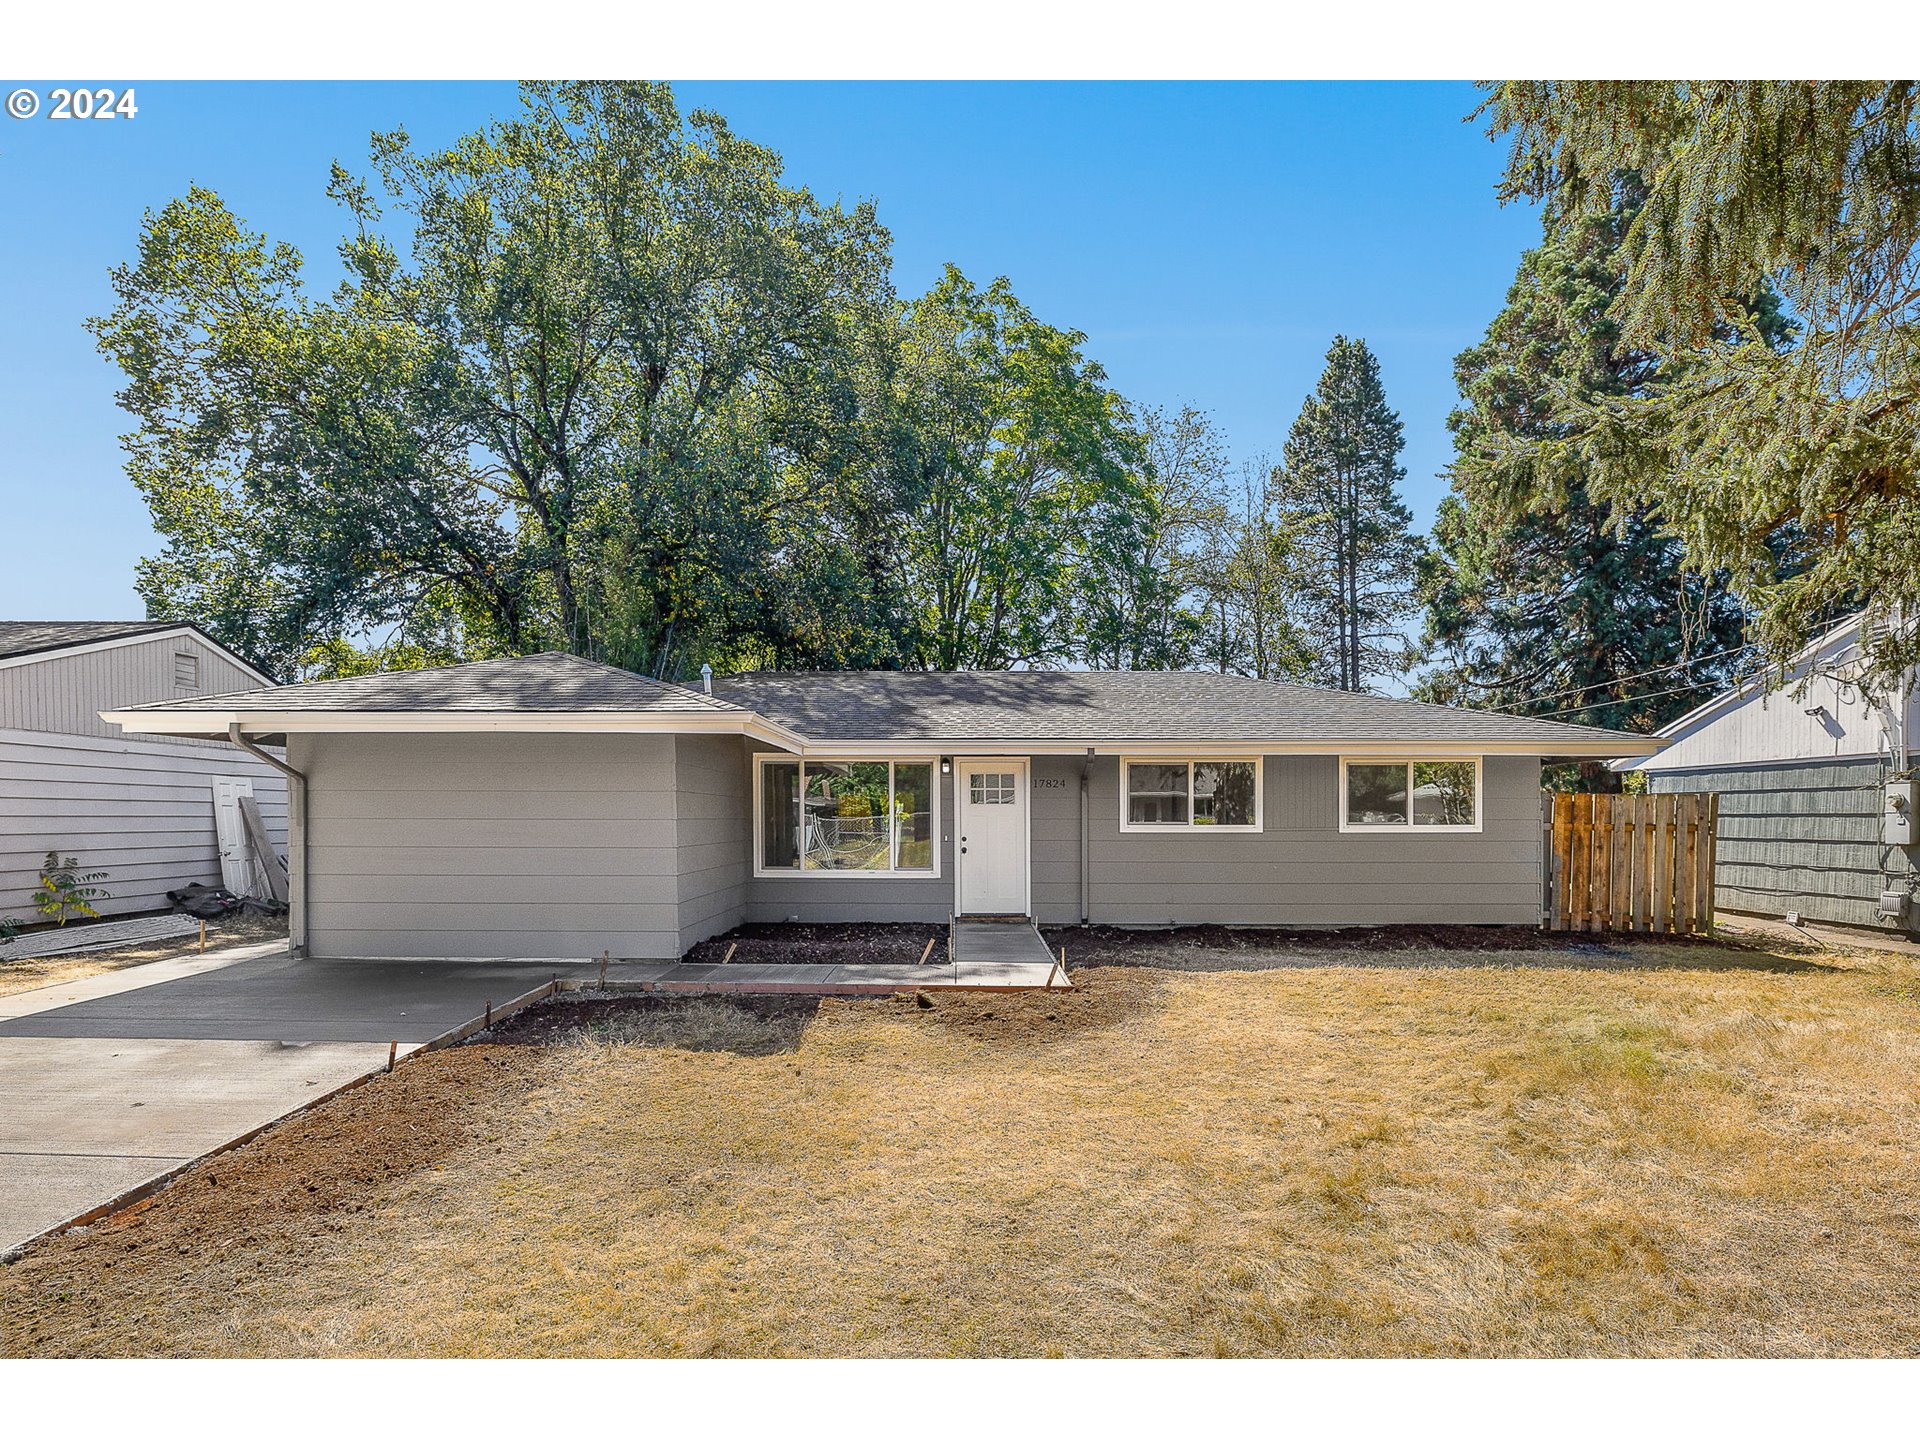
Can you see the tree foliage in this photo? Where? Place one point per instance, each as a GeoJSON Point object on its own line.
{"type": "Point", "coordinates": [1573, 608]}
{"type": "Point", "coordinates": [1030, 473]}
{"type": "Point", "coordinates": [1797, 470]}
{"type": "Point", "coordinates": [615, 357]}
{"type": "Point", "coordinates": [1338, 490]}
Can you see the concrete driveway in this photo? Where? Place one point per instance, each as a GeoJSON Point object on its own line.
{"type": "Point", "coordinates": [108, 1083]}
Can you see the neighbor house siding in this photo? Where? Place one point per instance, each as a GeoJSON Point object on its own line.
{"type": "Point", "coordinates": [66, 692]}
{"type": "Point", "coordinates": [507, 845]}
{"type": "Point", "coordinates": [1802, 837]}
{"type": "Point", "coordinates": [138, 808]}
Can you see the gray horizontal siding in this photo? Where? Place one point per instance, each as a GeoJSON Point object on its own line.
{"type": "Point", "coordinates": [510, 845]}
{"type": "Point", "coordinates": [713, 807]}
{"type": "Point", "coordinates": [1803, 837]}
{"type": "Point", "coordinates": [1300, 870]}
{"type": "Point", "coordinates": [139, 809]}
{"type": "Point", "coordinates": [65, 693]}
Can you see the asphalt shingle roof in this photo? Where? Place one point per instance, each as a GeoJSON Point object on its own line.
{"type": "Point", "coordinates": [30, 637]}
{"type": "Point", "coordinates": [550, 681]}
{"type": "Point", "coordinates": [1099, 706]}
{"type": "Point", "coordinates": [1111, 705]}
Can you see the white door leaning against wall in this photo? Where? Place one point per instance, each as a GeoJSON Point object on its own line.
{"type": "Point", "coordinates": [992, 797]}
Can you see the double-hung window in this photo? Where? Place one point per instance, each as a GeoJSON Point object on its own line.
{"type": "Point", "coordinates": [1424, 796]}
{"type": "Point", "coordinates": [859, 817]}
{"type": "Point", "coordinates": [1162, 795]}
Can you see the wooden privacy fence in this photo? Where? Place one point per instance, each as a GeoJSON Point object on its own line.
{"type": "Point", "coordinates": [1631, 862]}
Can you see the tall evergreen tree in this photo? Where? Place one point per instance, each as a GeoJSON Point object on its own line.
{"type": "Point", "coordinates": [1757, 452]}
{"type": "Point", "coordinates": [1574, 608]}
{"type": "Point", "coordinates": [1338, 490]}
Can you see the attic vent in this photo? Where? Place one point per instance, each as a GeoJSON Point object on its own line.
{"type": "Point", "coordinates": [186, 672]}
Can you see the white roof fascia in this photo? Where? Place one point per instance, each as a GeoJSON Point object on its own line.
{"type": "Point", "coordinates": [181, 721]}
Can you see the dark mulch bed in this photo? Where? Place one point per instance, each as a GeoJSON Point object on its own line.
{"type": "Point", "coordinates": [822, 945]}
{"type": "Point", "coordinates": [1224, 947]}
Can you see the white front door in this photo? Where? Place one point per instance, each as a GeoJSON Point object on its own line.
{"type": "Point", "coordinates": [992, 801]}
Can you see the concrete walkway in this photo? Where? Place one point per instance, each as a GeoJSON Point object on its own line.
{"type": "Point", "coordinates": [110, 1084]}
{"type": "Point", "coordinates": [999, 942]}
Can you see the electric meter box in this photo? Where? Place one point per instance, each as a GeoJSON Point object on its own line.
{"type": "Point", "coordinates": [1899, 817]}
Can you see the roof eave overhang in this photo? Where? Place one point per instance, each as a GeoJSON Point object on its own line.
{"type": "Point", "coordinates": [1581, 749]}
{"type": "Point", "coordinates": [213, 724]}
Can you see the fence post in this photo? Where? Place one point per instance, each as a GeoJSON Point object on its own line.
{"type": "Point", "coordinates": [1562, 861]}
{"type": "Point", "coordinates": [1709, 859]}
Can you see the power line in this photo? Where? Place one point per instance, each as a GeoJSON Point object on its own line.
{"type": "Point", "coordinates": [1622, 679]}
{"type": "Point", "coordinates": [1627, 699]}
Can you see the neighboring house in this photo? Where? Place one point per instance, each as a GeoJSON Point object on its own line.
{"type": "Point", "coordinates": [549, 806]}
{"type": "Point", "coordinates": [1805, 771]}
{"type": "Point", "coordinates": [143, 810]}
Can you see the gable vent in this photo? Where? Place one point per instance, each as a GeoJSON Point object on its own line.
{"type": "Point", "coordinates": [186, 672]}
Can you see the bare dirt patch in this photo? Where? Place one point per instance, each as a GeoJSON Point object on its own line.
{"type": "Point", "coordinates": [31, 973]}
{"type": "Point", "coordinates": [1340, 1159]}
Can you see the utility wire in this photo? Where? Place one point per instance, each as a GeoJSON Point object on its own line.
{"type": "Point", "coordinates": [1622, 679]}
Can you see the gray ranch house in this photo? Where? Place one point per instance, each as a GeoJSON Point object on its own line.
{"type": "Point", "coordinates": [549, 806]}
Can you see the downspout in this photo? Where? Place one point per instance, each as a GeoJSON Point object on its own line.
{"type": "Point", "coordinates": [1086, 867]}
{"type": "Point", "coordinates": [297, 804]}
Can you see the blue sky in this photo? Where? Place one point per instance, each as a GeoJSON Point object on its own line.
{"type": "Point", "coordinates": [1210, 239]}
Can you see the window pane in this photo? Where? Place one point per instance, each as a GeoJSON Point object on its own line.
{"type": "Point", "coordinates": [913, 817]}
{"type": "Point", "coordinates": [780, 815]}
{"type": "Point", "coordinates": [1376, 794]}
{"type": "Point", "coordinates": [1157, 794]}
{"type": "Point", "coordinates": [1223, 792]}
{"type": "Point", "coordinates": [846, 816]}
{"type": "Point", "coordinates": [1443, 792]}
{"type": "Point", "coordinates": [991, 789]}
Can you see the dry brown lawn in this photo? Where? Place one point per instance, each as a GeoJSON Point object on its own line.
{"type": "Point", "coordinates": [1719, 1158]}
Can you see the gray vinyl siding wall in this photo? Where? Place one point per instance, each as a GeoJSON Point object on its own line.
{"type": "Point", "coordinates": [139, 809]}
{"type": "Point", "coordinates": [67, 692]}
{"type": "Point", "coordinates": [713, 821]}
{"type": "Point", "coordinates": [517, 846]}
{"type": "Point", "coordinates": [1299, 870]}
{"type": "Point", "coordinates": [1803, 836]}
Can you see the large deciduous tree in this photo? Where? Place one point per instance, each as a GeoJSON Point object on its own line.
{"type": "Point", "coordinates": [1029, 473]}
{"type": "Point", "coordinates": [594, 387]}
{"type": "Point", "coordinates": [1338, 491]}
{"type": "Point", "coordinates": [1574, 607]}
{"type": "Point", "coordinates": [1796, 470]}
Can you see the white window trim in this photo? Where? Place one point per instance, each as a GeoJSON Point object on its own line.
{"type": "Point", "coordinates": [761, 871]}
{"type": "Point", "coordinates": [1130, 827]}
{"type": "Point", "coordinates": [1479, 796]}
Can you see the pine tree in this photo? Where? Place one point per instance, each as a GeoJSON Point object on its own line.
{"type": "Point", "coordinates": [1758, 453]}
{"type": "Point", "coordinates": [1338, 491]}
{"type": "Point", "coordinates": [1570, 609]}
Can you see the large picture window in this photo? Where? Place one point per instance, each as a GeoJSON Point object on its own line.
{"type": "Point", "coordinates": [1191, 794]}
{"type": "Point", "coordinates": [861, 817]}
{"type": "Point", "coordinates": [1413, 795]}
